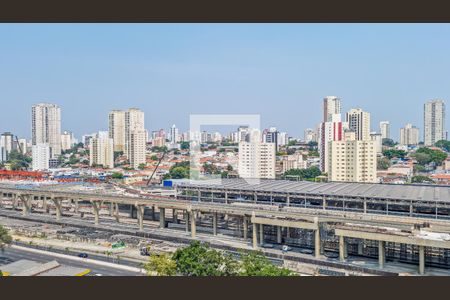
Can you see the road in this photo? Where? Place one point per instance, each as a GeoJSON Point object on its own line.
{"type": "Point", "coordinates": [11, 255]}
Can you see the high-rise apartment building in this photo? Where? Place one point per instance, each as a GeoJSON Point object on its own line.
{"type": "Point", "coordinates": [7, 144]}
{"type": "Point", "coordinates": [256, 158]}
{"type": "Point", "coordinates": [377, 139]}
{"type": "Point", "coordinates": [359, 122]}
{"type": "Point", "coordinates": [117, 129]}
{"type": "Point", "coordinates": [352, 160]}
{"type": "Point", "coordinates": [283, 138]}
{"type": "Point", "coordinates": [174, 134]}
{"type": "Point", "coordinates": [66, 140]}
{"type": "Point", "coordinates": [434, 122]}
{"type": "Point", "coordinates": [127, 130]}
{"type": "Point", "coordinates": [272, 136]}
{"type": "Point", "coordinates": [137, 148]}
{"type": "Point", "coordinates": [385, 130]}
{"type": "Point", "coordinates": [46, 127]}
{"type": "Point", "coordinates": [101, 150]}
{"type": "Point", "coordinates": [332, 130]}
{"type": "Point", "coordinates": [409, 135]}
{"type": "Point", "coordinates": [41, 157]}
{"type": "Point", "coordinates": [331, 106]}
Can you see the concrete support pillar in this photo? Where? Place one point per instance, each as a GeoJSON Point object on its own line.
{"type": "Point", "coordinates": [279, 234]}
{"type": "Point", "coordinates": [261, 234]}
{"type": "Point", "coordinates": [255, 197]}
{"type": "Point", "coordinates": [153, 213]}
{"type": "Point", "coordinates": [193, 224]}
{"type": "Point", "coordinates": [214, 224]}
{"type": "Point", "coordinates": [360, 247]}
{"type": "Point", "coordinates": [341, 248]}
{"type": "Point", "coordinates": [96, 211]}
{"type": "Point", "coordinates": [77, 206]}
{"type": "Point", "coordinates": [324, 203]}
{"type": "Point", "coordinates": [199, 196]}
{"type": "Point", "coordinates": [365, 206]}
{"type": "Point", "coordinates": [14, 201]}
{"type": "Point", "coordinates": [226, 197]}
{"type": "Point", "coordinates": [58, 204]}
{"type": "Point", "coordinates": [26, 205]}
{"type": "Point", "coordinates": [288, 200]}
{"type": "Point", "coordinates": [288, 232]}
{"type": "Point", "coordinates": [245, 225]}
{"type": "Point", "coordinates": [116, 212]}
{"type": "Point", "coordinates": [44, 204]}
{"type": "Point", "coordinates": [131, 211]}
{"type": "Point", "coordinates": [255, 236]}
{"type": "Point", "coordinates": [140, 216]}
{"type": "Point", "coordinates": [381, 254]}
{"type": "Point", "coordinates": [175, 216]}
{"type": "Point", "coordinates": [421, 260]}
{"type": "Point", "coordinates": [411, 210]}
{"type": "Point", "coordinates": [111, 209]}
{"type": "Point", "coordinates": [162, 217]}
{"type": "Point", "coordinates": [317, 243]}
{"type": "Point", "coordinates": [186, 217]}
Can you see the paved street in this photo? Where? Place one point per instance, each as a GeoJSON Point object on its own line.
{"type": "Point", "coordinates": [11, 255]}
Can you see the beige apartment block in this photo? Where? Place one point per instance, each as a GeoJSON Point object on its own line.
{"type": "Point", "coordinates": [352, 160]}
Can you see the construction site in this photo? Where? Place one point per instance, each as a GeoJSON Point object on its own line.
{"type": "Point", "coordinates": [324, 222]}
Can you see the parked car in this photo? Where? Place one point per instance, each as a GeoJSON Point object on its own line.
{"type": "Point", "coordinates": [83, 255]}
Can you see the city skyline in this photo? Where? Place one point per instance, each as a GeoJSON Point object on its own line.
{"type": "Point", "coordinates": [170, 71]}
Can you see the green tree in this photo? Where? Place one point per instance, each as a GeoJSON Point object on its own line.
{"type": "Point", "coordinates": [421, 179]}
{"type": "Point", "coordinates": [18, 161]}
{"type": "Point", "coordinates": [5, 238]}
{"type": "Point", "coordinates": [436, 156]}
{"type": "Point", "coordinates": [159, 149]}
{"type": "Point", "coordinates": [388, 142]}
{"type": "Point", "coordinates": [391, 153]}
{"type": "Point", "coordinates": [383, 163]}
{"type": "Point", "coordinates": [161, 264]}
{"type": "Point", "coordinates": [154, 157]}
{"type": "Point", "coordinates": [422, 158]}
{"type": "Point", "coordinates": [179, 170]}
{"type": "Point", "coordinates": [304, 174]}
{"type": "Point", "coordinates": [141, 166]}
{"type": "Point", "coordinates": [256, 264]}
{"type": "Point", "coordinates": [117, 154]}
{"type": "Point", "coordinates": [117, 175]}
{"type": "Point", "coordinates": [210, 168]}
{"type": "Point", "coordinates": [200, 260]}
{"type": "Point", "coordinates": [184, 145]}
{"type": "Point", "coordinates": [443, 144]}
{"type": "Point", "coordinates": [292, 143]}
{"type": "Point", "coordinates": [312, 145]}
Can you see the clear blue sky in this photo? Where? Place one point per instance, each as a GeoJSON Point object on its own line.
{"type": "Point", "coordinates": [281, 71]}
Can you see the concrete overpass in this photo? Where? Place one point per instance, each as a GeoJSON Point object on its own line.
{"type": "Point", "coordinates": [263, 217]}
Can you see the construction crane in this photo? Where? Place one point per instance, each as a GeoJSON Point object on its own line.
{"type": "Point", "coordinates": [157, 165]}
{"type": "Point", "coordinates": [18, 145]}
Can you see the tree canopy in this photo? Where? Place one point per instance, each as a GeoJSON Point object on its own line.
{"type": "Point", "coordinates": [5, 238]}
{"type": "Point", "coordinates": [421, 179]}
{"type": "Point", "coordinates": [391, 153]}
{"type": "Point", "coordinates": [444, 144]}
{"type": "Point", "coordinates": [304, 174]}
{"type": "Point", "coordinates": [388, 142]}
{"type": "Point", "coordinates": [198, 259]}
{"type": "Point", "coordinates": [18, 161]}
{"type": "Point", "coordinates": [427, 155]}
